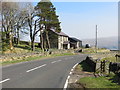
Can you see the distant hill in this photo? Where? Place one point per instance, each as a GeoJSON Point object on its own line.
{"type": "Point", "coordinates": [109, 42]}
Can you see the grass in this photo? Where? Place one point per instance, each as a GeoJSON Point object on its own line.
{"type": "Point", "coordinates": [26, 48]}
{"type": "Point", "coordinates": [19, 49]}
{"type": "Point", "coordinates": [23, 48]}
{"type": "Point", "coordinates": [88, 50]}
{"type": "Point", "coordinates": [35, 58]}
{"type": "Point", "coordinates": [63, 54]}
{"type": "Point", "coordinates": [93, 50]}
{"type": "Point", "coordinates": [111, 59]}
{"type": "Point", "coordinates": [23, 60]}
{"type": "Point", "coordinates": [99, 82]}
{"type": "Point", "coordinates": [109, 81]}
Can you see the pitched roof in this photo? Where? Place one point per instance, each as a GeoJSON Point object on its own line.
{"type": "Point", "coordinates": [60, 33]}
{"type": "Point", "coordinates": [75, 39]}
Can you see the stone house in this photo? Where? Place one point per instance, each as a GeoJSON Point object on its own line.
{"type": "Point", "coordinates": [58, 40]}
{"type": "Point", "coordinates": [75, 43]}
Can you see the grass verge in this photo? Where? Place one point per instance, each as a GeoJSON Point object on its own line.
{"type": "Point", "coordinates": [34, 58]}
{"type": "Point", "coordinates": [111, 59]}
{"type": "Point", "coordinates": [97, 82]}
{"type": "Point", "coordinates": [93, 50]}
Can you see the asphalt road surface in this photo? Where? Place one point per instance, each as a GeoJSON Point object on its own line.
{"type": "Point", "coordinates": [46, 73]}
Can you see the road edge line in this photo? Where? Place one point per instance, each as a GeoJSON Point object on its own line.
{"type": "Point", "coordinates": [66, 82]}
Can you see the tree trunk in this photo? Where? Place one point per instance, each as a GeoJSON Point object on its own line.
{"type": "Point", "coordinates": [41, 40]}
{"type": "Point", "coordinates": [32, 45]}
{"type": "Point", "coordinates": [18, 36]}
{"type": "Point", "coordinates": [9, 39]}
{"type": "Point", "coordinates": [47, 38]}
{"type": "Point", "coordinates": [44, 45]}
{"type": "Point", "coordinates": [31, 34]}
{"type": "Point", "coordinates": [10, 42]}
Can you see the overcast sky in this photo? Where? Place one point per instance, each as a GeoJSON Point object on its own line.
{"type": "Point", "coordinates": [78, 19]}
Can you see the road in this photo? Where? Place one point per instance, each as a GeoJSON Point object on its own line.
{"type": "Point", "coordinates": [46, 73]}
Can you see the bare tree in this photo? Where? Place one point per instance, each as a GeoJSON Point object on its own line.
{"type": "Point", "coordinates": [9, 10]}
{"type": "Point", "coordinates": [16, 16]}
{"type": "Point", "coordinates": [33, 23]}
{"type": "Point", "coordinates": [20, 21]}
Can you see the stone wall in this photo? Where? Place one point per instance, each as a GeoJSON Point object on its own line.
{"type": "Point", "coordinates": [22, 56]}
{"type": "Point", "coordinates": [103, 67]}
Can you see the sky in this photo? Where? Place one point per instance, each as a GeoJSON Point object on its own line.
{"type": "Point", "coordinates": [78, 19]}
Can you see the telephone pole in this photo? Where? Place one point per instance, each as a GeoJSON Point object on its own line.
{"type": "Point", "coordinates": [96, 40]}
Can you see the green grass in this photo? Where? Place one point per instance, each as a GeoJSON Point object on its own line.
{"type": "Point", "coordinates": [93, 50]}
{"type": "Point", "coordinates": [109, 81]}
{"type": "Point", "coordinates": [35, 58]}
{"type": "Point", "coordinates": [79, 67]}
{"type": "Point", "coordinates": [23, 60]}
{"type": "Point", "coordinates": [23, 48]}
{"type": "Point", "coordinates": [62, 54]}
{"type": "Point", "coordinates": [111, 59]}
{"type": "Point", "coordinates": [100, 82]}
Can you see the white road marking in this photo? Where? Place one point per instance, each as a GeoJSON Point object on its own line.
{"type": "Point", "coordinates": [69, 58]}
{"type": "Point", "coordinates": [75, 65]}
{"type": "Point", "coordinates": [56, 61]}
{"type": "Point", "coordinates": [4, 80]}
{"type": "Point", "coordinates": [70, 73]}
{"type": "Point", "coordinates": [72, 69]}
{"type": "Point", "coordinates": [36, 68]}
{"type": "Point", "coordinates": [53, 62]}
{"type": "Point", "coordinates": [59, 60]}
{"type": "Point", "coordinates": [67, 80]}
{"type": "Point", "coordinates": [68, 77]}
{"type": "Point", "coordinates": [66, 83]}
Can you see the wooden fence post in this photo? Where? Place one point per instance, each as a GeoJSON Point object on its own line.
{"type": "Point", "coordinates": [102, 66]}
{"type": "Point", "coordinates": [110, 67]}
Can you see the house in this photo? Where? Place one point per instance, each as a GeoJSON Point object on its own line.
{"type": "Point", "coordinates": [75, 43]}
{"type": "Point", "coordinates": [58, 40]}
